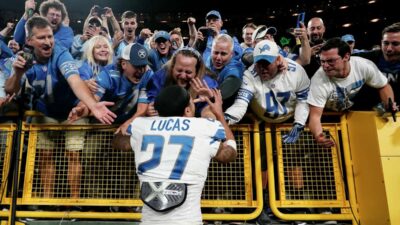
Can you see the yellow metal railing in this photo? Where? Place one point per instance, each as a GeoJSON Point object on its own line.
{"type": "Point", "coordinates": [307, 175]}
{"type": "Point", "coordinates": [109, 176]}
{"type": "Point", "coordinates": [6, 138]}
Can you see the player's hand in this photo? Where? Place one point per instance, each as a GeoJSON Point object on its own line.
{"type": "Point", "coordinates": [201, 88]}
{"type": "Point", "coordinates": [294, 134]}
{"type": "Point", "coordinates": [215, 103]}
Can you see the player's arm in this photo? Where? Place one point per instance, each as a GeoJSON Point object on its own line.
{"type": "Point", "coordinates": [227, 150]}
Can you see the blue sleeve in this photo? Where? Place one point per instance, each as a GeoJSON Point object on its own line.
{"type": "Point", "coordinates": [65, 36]}
{"type": "Point", "coordinates": [155, 84]}
{"type": "Point", "coordinates": [237, 49]}
{"type": "Point", "coordinates": [19, 32]}
{"type": "Point", "coordinates": [143, 85]}
{"type": "Point", "coordinates": [153, 60]}
{"type": "Point", "coordinates": [66, 64]}
{"type": "Point", "coordinates": [5, 51]}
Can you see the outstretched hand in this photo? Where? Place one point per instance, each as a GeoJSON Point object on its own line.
{"type": "Point", "coordinates": [102, 113]}
{"type": "Point", "coordinates": [78, 112]}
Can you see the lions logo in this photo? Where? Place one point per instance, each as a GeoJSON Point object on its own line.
{"type": "Point", "coordinates": [265, 48]}
{"type": "Point", "coordinates": [142, 53]}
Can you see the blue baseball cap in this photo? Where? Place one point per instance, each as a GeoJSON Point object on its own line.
{"type": "Point", "coordinates": [348, 37]}
{"type": "Point", "coordinates": [162, 34]}
{"type": "Point", "coordinates": [213, 13]}
{"type": "Point", "coordinates": [136, 54]}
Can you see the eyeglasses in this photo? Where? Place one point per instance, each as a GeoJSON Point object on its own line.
{"type": "Point", "coordinates": [330, 62]}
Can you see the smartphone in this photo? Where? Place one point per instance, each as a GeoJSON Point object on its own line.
{"type": "Point", "coordinates": [300, 18]}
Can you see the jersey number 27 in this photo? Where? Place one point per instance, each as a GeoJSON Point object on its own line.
{"type": "Point", "coordinates": [186, 143]}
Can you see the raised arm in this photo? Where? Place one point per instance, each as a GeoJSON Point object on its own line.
{"type": "Point", "coordinates": [191, 21]}
{"type": "Point", "coordinates": [305, 49]}
{"type": "Point", "coordinates": [227, 150]}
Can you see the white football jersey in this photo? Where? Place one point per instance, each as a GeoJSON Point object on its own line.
{"type": "Point", "coordinates": [175, 149]}
{"type": "Point", "coordinates": [337, 93]}
{"type": "Point", "coordinates": [274, 100]}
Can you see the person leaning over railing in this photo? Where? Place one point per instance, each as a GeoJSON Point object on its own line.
{"type": "Point", "coordinates": [122, 83]}
{"type": "Point", "coordinates": [274, 95]}
{"type": "Point", "coordinates": [50, 70]}
{"type": "Point", "coordinates": [338, 81]}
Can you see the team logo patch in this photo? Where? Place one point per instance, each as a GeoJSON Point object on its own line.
{"type": "Point", "coordinates": [265, 48]}
{"type": "Point", "coordinates": [142, 53]}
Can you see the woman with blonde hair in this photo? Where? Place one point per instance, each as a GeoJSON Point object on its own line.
{"type": "Point", "coordinates": [97, 55]}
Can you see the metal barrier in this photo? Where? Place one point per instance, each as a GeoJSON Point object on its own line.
{"type": "Point", "coordinates": [6, 137]}
{"type": "Point", "coordinates": [109, 176]}
{"type": "Point", "coordinates": [308, 176]}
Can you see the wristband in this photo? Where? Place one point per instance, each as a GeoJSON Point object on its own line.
{"type": "Point", "coordinates": [231, 143]}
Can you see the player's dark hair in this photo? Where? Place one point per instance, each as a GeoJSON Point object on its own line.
{"type": "Point", "coordinates": [172, 101]}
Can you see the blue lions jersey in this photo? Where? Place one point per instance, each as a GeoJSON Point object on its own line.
{"type": "Point", "coordinates": [115, 87]}
{"type": "Point", "coordinates": [52, 94]}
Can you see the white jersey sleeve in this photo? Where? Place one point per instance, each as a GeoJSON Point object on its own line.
{"type": "Point", "coordinates": [177, 149]}
{"type": "Point", "coordinates": [243, 98]}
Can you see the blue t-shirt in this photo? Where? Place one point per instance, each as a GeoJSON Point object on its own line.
{"type": "Point", "coordinates": [234, 68]}
{"type": "Point", "coordinates": [123, 43]}
{"type": "Point", "coordinates": [52, 94]}
{"type": "Point", "coordinates": [236, 48]}
{"type": "Point", "coordinates": [86, 70]}
{"type": "Point", "coordinates": [115, 87]}
{"type": "Point", "coordinates": [156, 60]}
